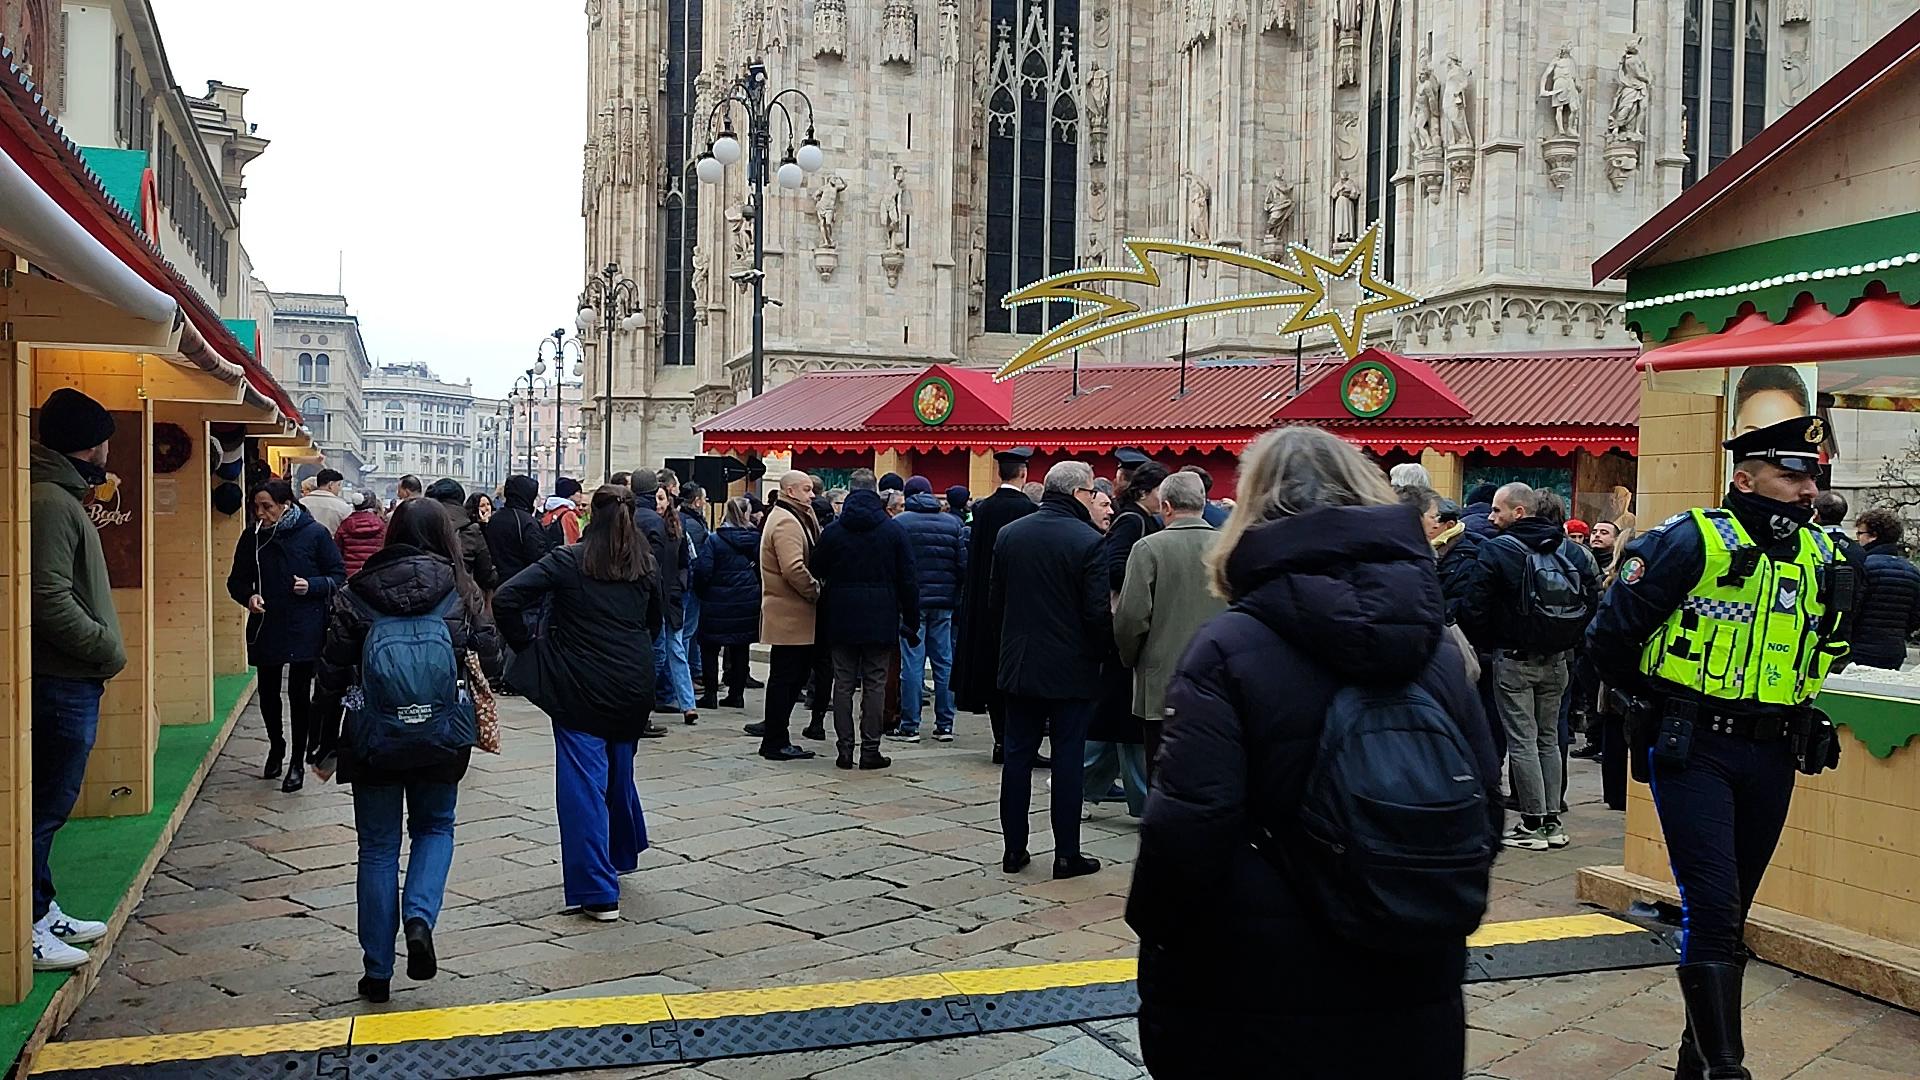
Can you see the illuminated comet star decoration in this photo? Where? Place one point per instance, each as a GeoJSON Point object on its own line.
{"type": "Point", "coordinates": [1306, 292]}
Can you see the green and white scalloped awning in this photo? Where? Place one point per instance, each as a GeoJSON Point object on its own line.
{"type": "Point", "coordinates": [1834, 266]}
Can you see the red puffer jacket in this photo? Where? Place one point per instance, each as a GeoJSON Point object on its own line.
{"type": "Point", "coordinates": [363, 533]}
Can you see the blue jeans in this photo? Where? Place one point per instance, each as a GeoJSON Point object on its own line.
{"type": "Point", "coordinates": [936, 644]}
{"type": "Point", "coordinates": [1110, 761]}
{"type": "Point", "coordinates": [602, 831]}
{"type": "Point", "coordinates": [66, 717]}
{"type": "Point", "coordinates": [376, 818]}
{"type": "Point", "coordinates": [673, 679]}
{"type": "Point", "coordinates": [690, 642]}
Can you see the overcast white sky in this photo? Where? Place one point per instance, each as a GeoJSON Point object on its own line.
{"type": "Point", "coordinates": [435, 142]}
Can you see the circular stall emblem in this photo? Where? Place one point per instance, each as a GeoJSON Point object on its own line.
{"type": "Point", "coordinates": [933, 401]}
{"type": "Point", "coordinates": [1368, 389]}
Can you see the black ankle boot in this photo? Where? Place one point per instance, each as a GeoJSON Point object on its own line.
{"type": "Point", "coordinates": [1712, 993]}
{"type": "Point", "coordinates": [276, 752]}
{"type": "Point", "coordinates": [421, 962]}
{"type": "Point", "coordinates": [375, 990]}
{"type": "Point", "coordinates": [296, 777]}
{"type": "Point", "coordinates": [734, 700]}
{"type": "Point", "coordinates": [708, 701]}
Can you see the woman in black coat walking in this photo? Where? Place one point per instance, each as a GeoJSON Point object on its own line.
{"type": "Point", "coordinates": [412, 575]}
{"type": "Point", "coordinates": [726, 577]}
{"type": "Point", "coordinates": [285, 570]}
{"type": "Point", "coordinates": [1331, 585]}
{"type": "Point", "coordinates": [591, 672]}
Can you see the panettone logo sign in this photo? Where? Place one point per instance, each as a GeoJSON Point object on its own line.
{"type": "Point", "coordinates": [933, 401]}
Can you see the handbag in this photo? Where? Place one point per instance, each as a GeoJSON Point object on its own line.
{"type": "Point", "coordinates": [486, 711]}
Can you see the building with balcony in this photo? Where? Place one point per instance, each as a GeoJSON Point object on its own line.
{"type": "Point", "coordinates": [418, 423]}
{"type": "Point", "coordinates": [313, 346]}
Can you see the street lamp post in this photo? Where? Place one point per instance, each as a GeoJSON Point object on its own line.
{"type": "Point", "coordinates": [539, 368]}
{"type": "Point", "coordinates": [750, 91]}
{"type": "Point", "coordinates": [615, 301]}
{"type": "Point", "coordinates": [559, 340]}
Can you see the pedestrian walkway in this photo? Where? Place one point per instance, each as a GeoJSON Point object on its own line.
{"type": "Point", "coordinates": [782, 875]}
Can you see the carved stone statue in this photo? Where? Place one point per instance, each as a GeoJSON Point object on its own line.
{"type": "Point", "coordinates": [1102, 34]}
{"type": "Point", "coordinates": [949, 16]}
{"type": "Point", "coordinates": [1279, 207]}
{"type": "Point", "coordinates": [977, 270]}
{"type": "Point", "coordinates": [1794, 76]}
{"type": "Point", "coordinates": [779, 26]}
{"type": "Point", "coordinates": [982, 88]}
{"type": "Point", "coordinates": [899, 32]}
{"type": "Point", "coordinates": [1346, 16]}
{"type": "Point", "coordinates": [589, 178]}
{"type": "Point", "coordinates": [893, 212]}
{"type": "Point", "coordinates": [829, 27]}
{"type": "Point", "coordinates": [1099, 110]}
{"type": "Point", "coordinates": [698, 286]}
{"type": "Point", "coordinates": [1796, 11]}
{"type": "Point", "coordinates": [1281, 15]}
{"type": "Point", "coordinates": [636, 140]}
{"type": "Point", "coordinates": [1346, 210]}
{"type": "Point", "coordinates": [826, 206]}
{"type": "Point", "coordinates": [609, 142]}
{"type": "Point", "coordinates": [741, 228]}
{"type": "Point", "coordinates": [1457, 103]}
{"type": "Point", "coordinates": [1096, 200]}
{"type": "Point", "coordinates": [1199, 210]}
{"type": "Point", "coordinates": [1426, 108]}
{"type": "Point", "coordinates": [1560, 85]}
{"type": "Point", "coordinates": [1096, 252]}
{"type": "Point", "coordinates": [1628, 121]}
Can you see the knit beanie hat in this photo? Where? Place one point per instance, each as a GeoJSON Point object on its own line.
{"type": "Point", "coordinates": [567, 487]}
{"type": "Point", "coordinates": [70, 422]}
{"type": "Point", "coordinates": [919, 485]}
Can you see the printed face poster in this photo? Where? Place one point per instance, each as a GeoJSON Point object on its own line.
{"type": "Point", "coordinates": [1766, 394]}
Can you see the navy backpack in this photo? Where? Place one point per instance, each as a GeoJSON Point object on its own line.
{"type": "Point", "coordinates": [412, 710]}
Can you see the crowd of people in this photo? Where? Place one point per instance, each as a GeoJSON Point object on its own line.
{"type": "Point", "coordinates": [1331, 701]}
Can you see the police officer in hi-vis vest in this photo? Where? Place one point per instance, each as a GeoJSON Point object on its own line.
{"type": "Point", "coordinates": [1719, 630]}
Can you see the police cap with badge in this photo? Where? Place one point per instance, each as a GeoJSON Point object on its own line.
{"type": "Point", "coordinates": [1016, 455]}
{"type": "Point", "coordinates": [1791, 444]}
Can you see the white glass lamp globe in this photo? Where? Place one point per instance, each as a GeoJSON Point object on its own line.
{"type": "Point", "coordinates": [810, 156]}
{"type": "Point", "coordinates": [633, 322]}
{"type": "Point", "coordinates": [708, 169]}
{"type": "Point", "coordinates": [540, 368]}
{"type": "Point", "coordinates": [789, 175]}
{"type": "Point", "coordinates": [584, 320]}
{"type": "Point", "coordinates": [726, 148]}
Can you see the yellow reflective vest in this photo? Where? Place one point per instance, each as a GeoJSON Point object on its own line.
{"type": "Point", "coordinates": [1755, 638]}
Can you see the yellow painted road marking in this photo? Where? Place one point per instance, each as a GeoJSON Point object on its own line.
{"type": "Point", "coordinates": [1522, 931]}
{"type": "Point", "coordinates": [719, 1003]}
{"type": "Point", "coordinates": [1042, 976]}
{"type": "Point", "coordinates": [469, 1020]}
{"type": "Point", "coordinates": [193, 1045]}
{"type": "Point", "coordinates": [383, 1029]}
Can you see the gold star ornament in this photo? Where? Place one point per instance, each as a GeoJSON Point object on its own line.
{"type": "Point", "coordinates": [1305, 287]}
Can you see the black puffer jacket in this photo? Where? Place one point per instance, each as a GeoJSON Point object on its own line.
{"type": "Point", "coordinates": [581, 670]}
{"type": "Point", "coordinates": [1334, 597]}
{"type": "Point", "coordinates": [939, 552]}
{"type": "Point", "coordinates": [513, 536]}
{"type": "Point", "coordinates": [399, 580]}
{"type": "Point", "coordinates": [1491, 609]}
{"type": "Point", "coordinates": [473, 545]}
{"type": "Point", "coordinates": [726, 576]}
{"type": "Point", "coordinates": [1889, 609]}
{"type": "Point", "coordinates": [868, 593]}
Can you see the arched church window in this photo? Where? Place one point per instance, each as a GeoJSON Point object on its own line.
{"type": "Point", "coordinates": [1383, 122]}
{"type": "Point", "coordinates": [679, 200]}
{"type": "Point", "coordinates": [1723, 80]}
{"type": "Point", "coordinates": [1032, 132]}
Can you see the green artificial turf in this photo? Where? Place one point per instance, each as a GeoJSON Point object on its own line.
{"type": "Point", "coordinates": [95, 859]}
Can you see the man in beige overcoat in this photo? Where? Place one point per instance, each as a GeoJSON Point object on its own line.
{"type": "Point", "coordinates": [788, 595]}
{"type": "Point", "coordinates": [1165, 599]}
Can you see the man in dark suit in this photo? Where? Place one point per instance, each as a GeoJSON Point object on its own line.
{"type": "Point", "coordinates": [1051, 648]}
{"type": "Point", "coordinates": [977, 661]}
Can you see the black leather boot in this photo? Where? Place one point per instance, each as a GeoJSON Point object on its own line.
{"type": "Point", "coordinates": [276, 752]}
{"type": "Point", "coordinates": [1712, 993]}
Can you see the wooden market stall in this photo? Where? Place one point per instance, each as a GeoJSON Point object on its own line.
{"type": "Point", "coordinates": [1565, 421]}
{"type": "Point", "coordinates": [1788, 280]}
{"type": "Point", "coordinates": [87, 301]}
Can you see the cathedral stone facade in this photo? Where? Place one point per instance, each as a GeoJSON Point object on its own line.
{"type": "Point", "coordinates": [973, 146]}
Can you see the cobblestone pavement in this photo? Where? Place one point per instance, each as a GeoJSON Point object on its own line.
{"type": "Point", "coordinates": [781, 874]}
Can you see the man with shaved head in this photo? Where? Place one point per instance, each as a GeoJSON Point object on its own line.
{"type": "Point", "coordinates": [789, 594]}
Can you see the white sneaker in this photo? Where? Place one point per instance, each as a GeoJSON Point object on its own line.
{"type": "Point", "coordinates": [71, 930]}
{"type": "Point", "coordinates": [52, 954]}
{"type": "Point", "coordinates": [943, 736]}
{"type": "Point", "coordinates": [905, 736]}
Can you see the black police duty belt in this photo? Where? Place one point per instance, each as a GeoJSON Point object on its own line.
{"type": "Point", "coordinates": [1765, 727]}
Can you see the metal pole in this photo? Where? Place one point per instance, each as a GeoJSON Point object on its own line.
{"type": "Point", "coordinates": [606, 348]}
{"type": "Point", "coordinates": [758, 134]}
{"type": "Point", "coordinates": [1297, 364]}
{"type": "Point", "coordinates": [1188, 298]}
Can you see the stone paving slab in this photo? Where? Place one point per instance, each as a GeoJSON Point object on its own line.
{"type": "Point", "coordinates": [765, 874]}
